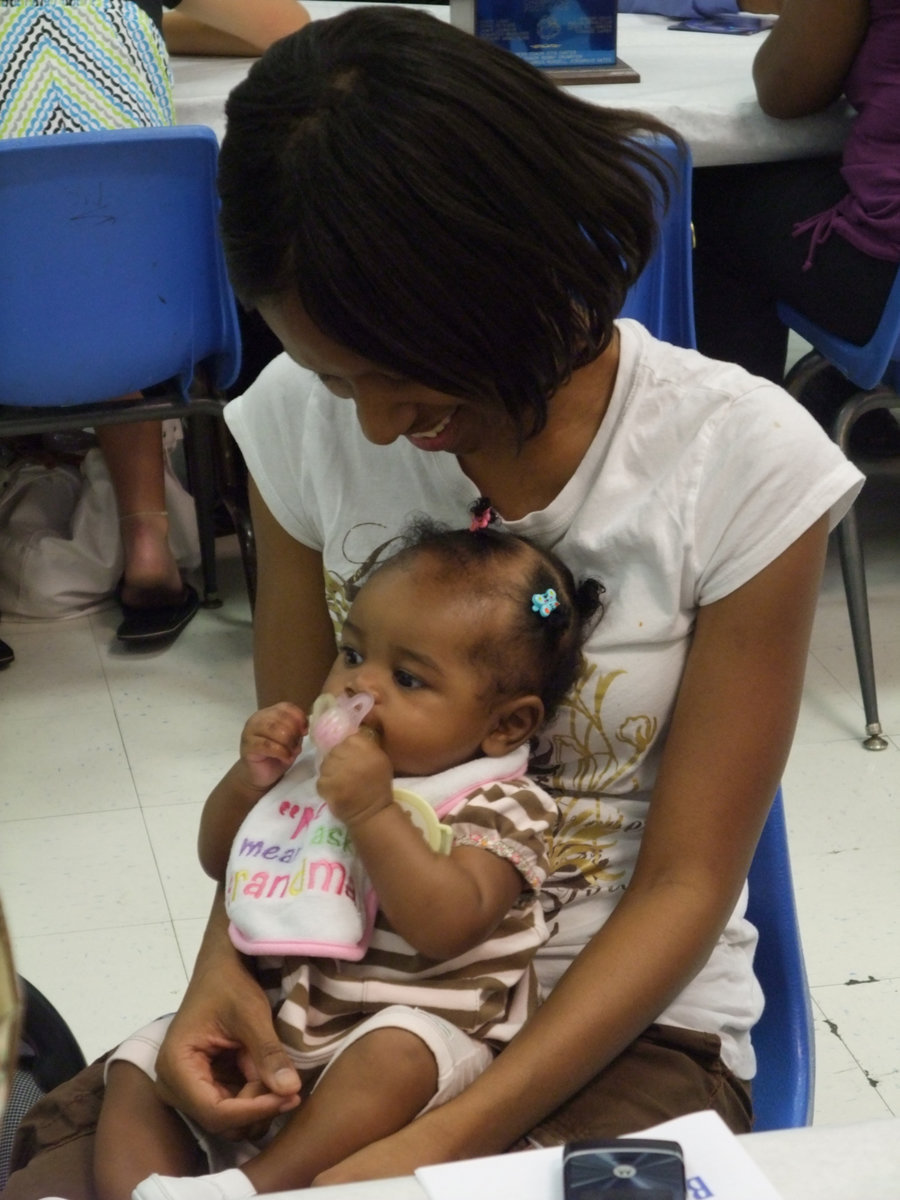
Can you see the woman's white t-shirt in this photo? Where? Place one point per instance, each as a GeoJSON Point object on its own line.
{"type": "Point", "coordinates": [699, 476]}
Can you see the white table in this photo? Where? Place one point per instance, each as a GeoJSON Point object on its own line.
{"type": "Point", "coordinates": [846, 1162]}
{"type": "Point", "coordinates": [698, 83]}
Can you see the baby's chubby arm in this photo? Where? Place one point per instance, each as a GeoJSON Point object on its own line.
{"type": "Point", "coordinates": [441, 904]}
{"type": "Point", "coordinates": [270, 742]}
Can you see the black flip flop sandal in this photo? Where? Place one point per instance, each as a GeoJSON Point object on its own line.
{"type": "Point", "coordinates": [162, 622]}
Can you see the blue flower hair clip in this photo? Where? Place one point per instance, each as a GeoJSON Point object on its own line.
{"type": "Point", "coordinates": [544, 602]}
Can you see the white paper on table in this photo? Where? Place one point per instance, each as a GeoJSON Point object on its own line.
{"type": "Point", "coordinates": [716, 1165]}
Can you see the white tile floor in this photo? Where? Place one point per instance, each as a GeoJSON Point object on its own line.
{"type": "Point", "coordinates": [107, 757]}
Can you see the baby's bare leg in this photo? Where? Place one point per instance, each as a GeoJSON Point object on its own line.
{"type": "Point", "coordinates": [374, 1088]}
{"type": "Point", "coordinates": [138, 1135]}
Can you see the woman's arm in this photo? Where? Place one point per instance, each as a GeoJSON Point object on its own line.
{"type": "Point", "coordinates": [731, 732]}
{"type": "Point", "coordinates": [801, 66]}
{"type": "Point", "coordinates": [293, 638]}
{"type": "Point", "coordinates": [230, 27]}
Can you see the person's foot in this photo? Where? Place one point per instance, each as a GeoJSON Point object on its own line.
{"type": "Point", "coordinates": [156, 603]}
{"type": "Point", "coordinates": [225, 1185]}
{"type": "Point", "coordinates": [6, 654]}
{"type": "Point", "coordinates": [151, 577]}
{"type": "Point", "coordinates": [154, 624]}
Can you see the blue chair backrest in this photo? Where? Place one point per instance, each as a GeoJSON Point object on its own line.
{"type": "Point", "coordinates": [868, 365]}
{"type": "Point", "coordinates": [112, 276]}
{"type": "Point", "coordinates": [663, 297]}
{"type": "Point", "coordinates": [785, 1049]}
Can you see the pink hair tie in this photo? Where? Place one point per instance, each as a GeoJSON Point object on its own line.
{"type": "Point", "coordinates": [483, 515]}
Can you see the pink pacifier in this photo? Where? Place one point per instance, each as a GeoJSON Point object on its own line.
{"type": "Point", "coordinates": [334, 718]}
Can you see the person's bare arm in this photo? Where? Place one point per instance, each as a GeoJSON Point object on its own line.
{"type": "Point", "coordinates": [242, 28]}
{"type": "Point", "coordinates": [731, 732]}
{"type": "Point", "coordinates": [801, 66]}
{"type": "Point", "coordinates": [185, 36]}
{"type": "Point", "coordinates": [293, 637]}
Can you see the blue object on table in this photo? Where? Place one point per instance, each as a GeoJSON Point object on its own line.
{"type": "Point", "coordinates": [551, 34]}
{"type": "Point", "coordinates": [783, 1038]}
{"type": "Point", "coordinates": [663, 297]}
{"type": "Point", "coordinates": [875, 369]}
{"type": "Point", "coordinates": [113, 281]}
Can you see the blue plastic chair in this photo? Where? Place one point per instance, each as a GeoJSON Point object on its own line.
{"type": "Point", "coordinates": [867, 365]}
{"type": "Point", "coordinates": [783, 1038]}
{"type": "Point", "coordinates": [113, 280]}
{"type": "Point", "coordinates": [663, 297]}
{"type": "Point", "coordinates": [875, 369]}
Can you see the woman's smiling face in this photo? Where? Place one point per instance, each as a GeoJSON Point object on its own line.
{"type": "Point", "coordinates": [388, 405]}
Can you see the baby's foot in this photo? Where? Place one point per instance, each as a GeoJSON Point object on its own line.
{"type": "Point", "coordinates": [225, 1185]}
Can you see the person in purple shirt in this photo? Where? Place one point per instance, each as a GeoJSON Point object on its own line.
{"type": "Point", "coordinates": [821, 234]}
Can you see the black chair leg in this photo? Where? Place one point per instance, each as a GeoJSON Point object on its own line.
{"type": "Point", "coordinates": [200, 433]}
{"type": "Point", "coordinates": [234, 493]}
{"type": "Point", "coordinates": [243, 527]}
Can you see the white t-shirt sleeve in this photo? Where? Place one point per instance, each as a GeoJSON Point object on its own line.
{"type": "Point", "coordinates": [769, 474]}
{"type": "Point", "coordinates": [270, 422]}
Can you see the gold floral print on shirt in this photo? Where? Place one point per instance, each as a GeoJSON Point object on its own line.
{"type": "Point", "coordinates": [340, 592]}
{"type": "Point", "coordinates": [581, 763]}
{"type": "Point", "coordinates": [581, 756]}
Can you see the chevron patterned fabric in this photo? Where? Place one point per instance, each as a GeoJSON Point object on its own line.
{"type": "Point", "coordinates": [71, 65]}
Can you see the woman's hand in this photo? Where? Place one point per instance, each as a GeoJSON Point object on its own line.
{"type": "Point", "coordinates": [221, 1062]}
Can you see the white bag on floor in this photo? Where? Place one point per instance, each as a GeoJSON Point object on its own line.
{"type": "Point", "coordinates": [60, 550]}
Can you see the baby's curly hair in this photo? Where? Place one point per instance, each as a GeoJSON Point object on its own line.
{"type": "Point", "coordinates": [542, 654]}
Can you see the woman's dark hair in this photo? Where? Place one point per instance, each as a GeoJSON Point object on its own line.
{"type": "Point", "coordinates": [541, 654]}
{"type": "Point", "coordinates": [437, 204]}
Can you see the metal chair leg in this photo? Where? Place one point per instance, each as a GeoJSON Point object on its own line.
{"type": "Point", "coordinates": [803, 372]}
{"type": "Point", "coordinates": [853, 571]}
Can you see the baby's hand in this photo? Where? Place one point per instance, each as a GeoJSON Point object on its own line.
{"type": "Point", "coordinates": [270, 742]}
{"type": "Point", "coordinates": [356, 778]}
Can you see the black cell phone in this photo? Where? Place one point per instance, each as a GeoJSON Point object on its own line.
{"type": "Point", "coordinates": [623, 1169]}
